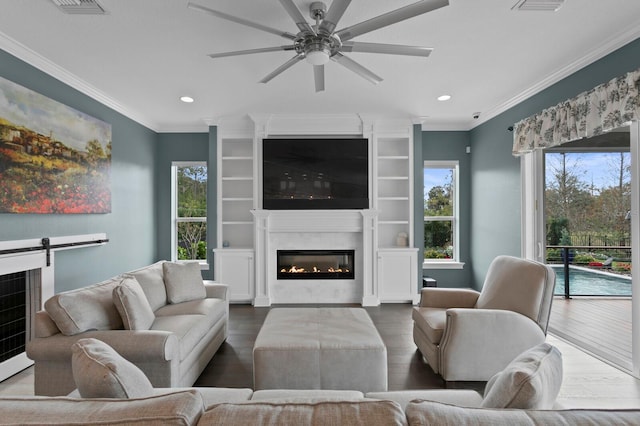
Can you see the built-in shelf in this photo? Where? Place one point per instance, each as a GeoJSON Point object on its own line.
{"type": "Point", "coordinates": [388, 262]}
{"type": "Point", "coordinates": [393, 190]}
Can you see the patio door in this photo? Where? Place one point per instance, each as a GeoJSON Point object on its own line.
{"type": "Point", "coordinates": [537, 227]}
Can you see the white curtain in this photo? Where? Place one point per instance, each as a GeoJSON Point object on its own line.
{"type": "Point", "coordinates": [591, 113]}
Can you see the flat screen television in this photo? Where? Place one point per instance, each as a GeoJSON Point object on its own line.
{"type": "Point", "coordinates": [300, 173]}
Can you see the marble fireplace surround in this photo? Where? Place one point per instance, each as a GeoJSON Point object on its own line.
{"type": "Point", "coordinates": [314, 230]}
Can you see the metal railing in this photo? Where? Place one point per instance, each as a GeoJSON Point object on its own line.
{"type": "Point", "coordinates": [568, 254]}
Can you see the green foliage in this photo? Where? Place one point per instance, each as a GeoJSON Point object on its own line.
{"type": "Point", "coordinates": [192, 191]}
{"type": "Point", "coordinates": [435, 254]}
{"type": "Point", "coordinates": [584, 258]}
{"type": "Point", "coordinates": [565, 237]}
{"type": "Point", "coordinates": [201, 252]}
{"type": "Point", "coordinates": [554, 230]}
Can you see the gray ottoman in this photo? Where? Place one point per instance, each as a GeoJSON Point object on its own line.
{"type": "Point", "coordinates": [319, 348]}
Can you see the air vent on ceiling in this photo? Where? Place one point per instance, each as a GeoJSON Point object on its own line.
{"type": "Point", "coordinates": [80, 7]}
{"type": "Point", "coordinates": [538, 5]}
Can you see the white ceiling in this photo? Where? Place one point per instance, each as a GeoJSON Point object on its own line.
{"type": "Point", "coordinates": [144, 54]}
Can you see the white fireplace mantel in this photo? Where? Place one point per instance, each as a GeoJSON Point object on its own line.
{"type": "Point", "coordinates": [315, 229]}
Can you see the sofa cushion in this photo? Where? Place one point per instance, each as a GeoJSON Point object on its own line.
{"type": "Point", "coordinates": [306, 413]}
{"type": "Point", "coordinates": [294, 395]}
{"type": "Point", "coordinates": [183, 282]}
{"type": "Point", "coordinates": [100, 372]}
{"type": "Point", "coordinates": [132, 304]}
{"type": "Point", "coordinates": [189, 329]}
{"type": "Point", "coordinates": [431, 321]}
{"type": "Point", "coordinates": [84, 309]}
{"type": "Point", "coordinates": [177, 408]}
{"type": "Point", "coordinates": [434, 413]}
{"type": "Point", "coordinates": [151, 279]}
{"type": "Point", "coordinates": [215, 308]}
{"type": "Point", "coordinates": [531, 381]}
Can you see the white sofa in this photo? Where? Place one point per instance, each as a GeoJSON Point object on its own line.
{"type": "Point", "coordinates": [211, 406]}
{"type": "Point", "coordinates": [171, 348]}
{"type": "Point", "coordinates": [112, 390]}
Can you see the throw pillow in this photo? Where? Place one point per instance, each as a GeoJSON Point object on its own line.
{"type": "Point", "coordinates": [100, 372]}
{"type": "Point", "coordinates": [183, 282]}
{"type": "Point", "coordinates": [132, 304]}
{"type": "Point", "coordinates": [531, 381]}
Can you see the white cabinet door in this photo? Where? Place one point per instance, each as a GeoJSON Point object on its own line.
{"type": "Point", "coordinates": [398, 275]}
{"type": "Point", "coordinates": [236, 269]}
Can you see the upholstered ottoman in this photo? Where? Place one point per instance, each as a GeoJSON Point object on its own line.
{"type": "Point", "coordinates": [319, 348]}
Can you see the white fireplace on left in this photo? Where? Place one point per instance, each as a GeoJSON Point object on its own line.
{"type": "Point", "coordinates": [27, 277]}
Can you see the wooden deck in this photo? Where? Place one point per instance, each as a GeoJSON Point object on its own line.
{"type": "Point", "coordinates": [601, 326]}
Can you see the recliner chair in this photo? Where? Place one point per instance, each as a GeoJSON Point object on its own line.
{"type": "Point", "coordinates": [466, 335]}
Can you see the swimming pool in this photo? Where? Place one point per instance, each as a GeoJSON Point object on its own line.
{"type": "Point", "coordinates": [587, 282]}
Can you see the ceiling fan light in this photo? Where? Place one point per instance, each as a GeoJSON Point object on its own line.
{"type": "Point", "coordinates": [317, 57]}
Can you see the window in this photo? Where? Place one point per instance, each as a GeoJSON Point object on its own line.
{"type": "Point", "coordinates": [189, 211]}
{"type": "Point", "coordinates": [441, 212]}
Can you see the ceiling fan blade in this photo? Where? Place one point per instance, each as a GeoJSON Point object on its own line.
{"type": "Point", "coordinates": [318, 76]}
{"type": "Point", "coordinates": [291, 62]}
{"type": "Point", "coordinates": [241, 21]}
{"type": "Point", "coordinates": [356, 67]}
{"type": "Point", "coordinates": [250, 51]}
{"type": "Point", "coordinates": [390, 18]}
{"type": "Point", "coordinates": [297, 16]}
{"type": "Point", "coordinates": [333, 16]}
{"type": "Point", "coordinates": [390, 49]}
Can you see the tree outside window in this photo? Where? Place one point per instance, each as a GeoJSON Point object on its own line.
{"type": "Point", "coordinates": [190, 204]}
{"type": "Point", "coordinates": [440, 210]}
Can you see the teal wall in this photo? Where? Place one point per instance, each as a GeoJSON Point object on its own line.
{"type": "Point", "coordinates": [176, 147]}
{"type": "Point", "coordinates": [495, 173]}
{"type": "Point", "coordinates": [131, 225]}
{"type": "Point", "coordinates": [139, 224]}
{"type": "Point", "coordinates": [451, 146]}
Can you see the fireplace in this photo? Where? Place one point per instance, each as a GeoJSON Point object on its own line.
{"type": "Point", "coordinates": [315, 264]}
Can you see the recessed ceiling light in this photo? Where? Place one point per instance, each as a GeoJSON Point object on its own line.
{"type": "Point", "coordinates": [444, 97]}
{"type": "Point", "coordinates": [186, 99]}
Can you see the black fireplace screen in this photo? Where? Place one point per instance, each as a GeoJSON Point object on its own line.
{"type": "Point", "coordinates": [12, 315]}
{"type": "Point", "coordinates": [315, 264]}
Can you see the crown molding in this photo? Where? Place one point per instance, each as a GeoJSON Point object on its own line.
{"type": "Point", "coordinates": [599, 52]}
{"type": "Point", "coordinates": [43, 64]}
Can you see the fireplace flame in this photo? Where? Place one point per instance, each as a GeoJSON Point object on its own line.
{"type": "Point", "coordinates": [295, 270]}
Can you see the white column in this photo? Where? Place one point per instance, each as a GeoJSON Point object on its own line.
{"type": "Point", "coordinates": [369, 284]}
{"type": "Point", "coordinates": [261, 232]}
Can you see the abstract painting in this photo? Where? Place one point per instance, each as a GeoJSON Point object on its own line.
{"type": "Point", "coordinates": [53, 158]}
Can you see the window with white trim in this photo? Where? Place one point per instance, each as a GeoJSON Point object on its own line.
{"type": "Point", "coordinates": [441, 212]}
{"type": "Point", "coordinates": [189, 211]}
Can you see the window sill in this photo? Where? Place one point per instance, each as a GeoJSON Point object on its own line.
{"type": "Point", "coordinates": [434, 264]}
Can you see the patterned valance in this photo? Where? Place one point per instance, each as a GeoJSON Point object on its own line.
{"type": "Point", "coordinates": [591, 113]}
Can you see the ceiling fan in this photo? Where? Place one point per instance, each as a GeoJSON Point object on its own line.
{"type": "Point", "coordinates": [321, 42]}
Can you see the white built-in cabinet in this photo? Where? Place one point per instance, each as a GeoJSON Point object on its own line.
{"type": "Point", "coordinates": [235, 267]}
{"type": "Point", "coordinates": [396, 273]}
{"type": "Point", "coordinates": [391, 179]}
{"type": "Point", "coordinates": [234, 257]}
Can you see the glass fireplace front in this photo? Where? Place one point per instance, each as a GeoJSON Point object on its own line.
{"type": "Point", "coordinates": [315, 264]}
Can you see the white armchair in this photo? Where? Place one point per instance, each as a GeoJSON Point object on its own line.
{"type": "Point", "coordinates": [466, 335]}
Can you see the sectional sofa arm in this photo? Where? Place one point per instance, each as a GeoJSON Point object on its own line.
{"type": "Point", "coordinates": [134, 345]}
{"type": "Point", "coordinates": [216, 290]}
{"type": "Point", "coordinates": [482, 342]}
{"type": "Point", "coordinates": [448, 298]}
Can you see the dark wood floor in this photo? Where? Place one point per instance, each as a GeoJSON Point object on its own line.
{"type": "Point", "coordinates": [601, 326]}
{"type": "Point", "coordinates": [232, 366]}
